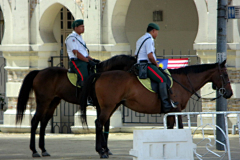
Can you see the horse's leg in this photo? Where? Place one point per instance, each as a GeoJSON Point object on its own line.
{"type": "Point", "coordinates": [106, 133]}
{"type": "Point", "coordinates": [48, 115]}
{"type": "Point", "coordinates": [100, 139]}
{"type": "Point", "coordinates": [170, 122]}
{"type": "Point", "coordinates": [34, 124]}
{"type": "Point", "coordinates": [42, 134]}
{"type": "Point", "coordinates": [101, 144]}
{"type": "Point", "coordinates": [180, 124]}
{"type": "Point", "coordinates": [98, 145]}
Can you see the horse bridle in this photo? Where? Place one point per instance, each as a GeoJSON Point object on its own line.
{"type": "Point", "coordinates": [222, 90]}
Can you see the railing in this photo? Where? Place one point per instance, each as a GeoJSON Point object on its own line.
{"type": "Point", "coordinates": [211, 125]}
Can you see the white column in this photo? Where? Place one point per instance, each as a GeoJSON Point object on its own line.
{"type": "Point", "coordinates": [19, 62]}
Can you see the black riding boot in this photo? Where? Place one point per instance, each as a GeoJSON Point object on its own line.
{"type": "Point", "coordinates": [164, 97]}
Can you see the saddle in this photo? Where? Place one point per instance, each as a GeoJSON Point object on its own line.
{"type": "Point", "coordinates": [148, 83]}
{"type": "Point", "coordinates": [152, 86]}
{"type": "Point", "coordinates": [73, 78]}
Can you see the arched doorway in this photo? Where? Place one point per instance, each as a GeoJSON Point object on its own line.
{"type": "Point", "coordinates": [63, 117]}
{"type": "Point", "coordinates": [178, 21]}
{"type": "Point", "coordinates": [66, 19]}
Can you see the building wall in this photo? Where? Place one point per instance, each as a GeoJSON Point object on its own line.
{"type": "Point", "coordinates": [178, 29]}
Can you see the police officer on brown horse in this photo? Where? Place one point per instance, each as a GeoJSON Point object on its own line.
{"type": "Point", "coordinates": [145, 54]}
{"type": "Point", "coordinates": [78, 52]}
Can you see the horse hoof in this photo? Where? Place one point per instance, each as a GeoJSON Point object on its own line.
{"type": "Point", "coordinates": [110, 153]}
{"type": "Point", "coordinates": [36, 155]}
{"type": "Point", "coordinates": [104, 156]}
{"type": "Point", "coordinates": [45, 154]}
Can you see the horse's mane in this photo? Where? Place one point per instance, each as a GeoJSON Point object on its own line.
{"type": "Point", "coordinates": [118, 62]}
{"type": "Point", "coordinates": [193, 69]}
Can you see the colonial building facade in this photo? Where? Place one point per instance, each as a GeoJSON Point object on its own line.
{"type": "Point", "coordinates": [31, 31]}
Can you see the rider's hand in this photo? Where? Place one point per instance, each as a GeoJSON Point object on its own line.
{"type": "Point", "coordinates": [91, 63]}
{"type": "Point", "coordinates": [96, 61]}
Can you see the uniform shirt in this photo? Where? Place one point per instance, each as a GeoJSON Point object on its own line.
{"type": "Point", "coordinates": [72, 43]}
{"type": "Point", "coordinates": [147, 47]}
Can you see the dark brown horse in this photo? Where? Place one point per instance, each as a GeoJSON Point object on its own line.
{"type": "Point", "coordinates": [50, 85]}
{"type": "Point", "coordinates": [117, 87]}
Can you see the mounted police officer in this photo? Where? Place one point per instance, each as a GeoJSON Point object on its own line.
{"type": "Point", "coordinates": [145, 53]}
{"type": "Point", "coordinates": [78, 52]}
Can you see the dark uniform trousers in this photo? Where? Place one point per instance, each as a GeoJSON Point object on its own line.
{"type": "Point", "coordinates": [79, 67]}
{"type": "Point", "coordinates": [155, 74]}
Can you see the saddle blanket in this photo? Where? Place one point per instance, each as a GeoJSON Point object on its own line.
{"type": "Point", "coordinates": [72, 77]}
{"type": "Point", "coordinates": [147, 83]}
{"type": "Point", "coordinates": [152, 86]}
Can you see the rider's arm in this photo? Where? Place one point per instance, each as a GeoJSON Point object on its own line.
{"type": "Point", "coordinates": [80, 56]}
{"type": "Point", "coordinates": [152, 59]}
{"type": "Point", "coordinates": [90, 58]}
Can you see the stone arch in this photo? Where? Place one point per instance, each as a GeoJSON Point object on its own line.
{"type": "Point", "coordinates": [202, 11]}
{"type": "Point", "coordinates": [178, 27]}
{"type": "Point", "coordinates": [44, 16]}
{"type": "Point", "coordinates": [118, 21]}
{"type": "Point", "coordinates": [7, 16]}
{"type": "Point", "coordinates": [120, 13]}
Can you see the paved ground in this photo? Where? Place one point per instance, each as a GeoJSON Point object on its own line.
{"type": "Point", "coordinates": [81, 146]}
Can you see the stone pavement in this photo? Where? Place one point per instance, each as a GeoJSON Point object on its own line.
{"type": "Point", "coordinates": [82, 146]}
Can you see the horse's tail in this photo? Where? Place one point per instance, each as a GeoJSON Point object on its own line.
{"type": "Point", "coordinates": [87, 90]}
{"type": "Point", "coordinates": [24, 95]}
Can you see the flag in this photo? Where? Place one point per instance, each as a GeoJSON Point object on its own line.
{"type": "Point", "coordinates": [172, 63]}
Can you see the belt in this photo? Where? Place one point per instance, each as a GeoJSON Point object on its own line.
{"type": "Point", "coordinates": [73, 59]}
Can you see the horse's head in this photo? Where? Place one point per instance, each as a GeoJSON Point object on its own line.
{"type": "Point", "coordinates": [221, 81]}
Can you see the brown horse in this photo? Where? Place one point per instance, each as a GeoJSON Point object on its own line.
{"type": "Point", "coordinates": [117, 87]}
{"type": "Point", "coordinates": [50, 86]}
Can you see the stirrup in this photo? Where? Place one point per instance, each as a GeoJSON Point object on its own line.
{"type": "Point", "coordinates": [89, 101]}
{"type": "Point", "coordinates": [174, 104]}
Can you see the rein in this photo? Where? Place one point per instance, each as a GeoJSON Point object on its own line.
{"type": "Point", "coordinates": [194, 91]}
{"type": "Point", "coordinates": [222, 90]}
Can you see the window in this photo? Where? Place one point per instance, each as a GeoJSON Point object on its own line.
{"type": "Point", "coordinates": [157, 16]}
{"type": "Point", "coordinates": [66, 19]}
{"type": "Point", "coordinates": [66, 28]}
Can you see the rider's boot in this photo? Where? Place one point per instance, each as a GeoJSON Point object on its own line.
{"type": "Point", "coordinates": [167, 106]}
{"type": "Point", "coordinates": [80, 82]}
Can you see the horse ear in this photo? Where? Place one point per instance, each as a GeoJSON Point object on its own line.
{"type": "Point", "coordinates": [223, 63]}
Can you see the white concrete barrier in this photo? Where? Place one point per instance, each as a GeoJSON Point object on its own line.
{"type": "Point", "coordinates": [210, 126]}
{"type": "Point", "coordinates": [162, 144]}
